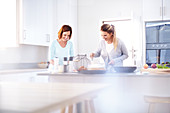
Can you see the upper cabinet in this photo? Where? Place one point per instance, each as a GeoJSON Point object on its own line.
{"type": "Point", "coordinates": [42, 19]}
{"type": "Point", "coordinates": [36, 22]}
{"type": "Point", "coordinates": [166, 9]}
{"type": "Point", "coordinates": [156, 10]}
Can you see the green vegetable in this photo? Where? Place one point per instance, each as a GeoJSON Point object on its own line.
{"type": "Point", "coordinates": [162, 66]}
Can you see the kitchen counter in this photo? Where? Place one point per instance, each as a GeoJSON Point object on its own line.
{"type": "Point", "coordinates": [22, 75]}
{"type": "Point", "coordinates": [13, 71]}
{"type": "Point", "coordinates": [135, 74]}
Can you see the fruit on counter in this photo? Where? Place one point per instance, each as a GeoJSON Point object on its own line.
{"type": "Point", "coordinates": [145, 66]}
{"type": "Point", "coordinates": [162, 66]}
{"type": "Point", "coordinates": [153, 66]}
{"type": "Point", "coordinates": [159, 66]}
{"type": "Point", "coordinates": [42, 62]}
{"type": "Point", "coordinates": [167, 62]}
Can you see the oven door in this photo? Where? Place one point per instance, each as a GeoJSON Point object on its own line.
{"type": "Point", "coordinates": [157, 56]}
{"type": "Point", "coordinates": [164, 34]}
{"type": "Point", "coordinates": [151, 57]}
{"type": "Point", "coordinates": [165, 56]}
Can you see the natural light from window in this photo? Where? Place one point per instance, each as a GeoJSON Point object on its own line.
{"type": "Point", "coordinates": [8, 23]}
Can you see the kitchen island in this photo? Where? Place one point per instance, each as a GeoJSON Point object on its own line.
{"type": "Point", "coordinates": [126, 93]}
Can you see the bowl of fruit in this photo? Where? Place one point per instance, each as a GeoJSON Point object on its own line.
{"type": "Point", "coordinates": [43, 65]}
{"type": "Point", "coordinates": [156, 68]}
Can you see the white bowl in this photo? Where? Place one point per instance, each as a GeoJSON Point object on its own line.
{"type": "Point", "coordinates": [43, 66]}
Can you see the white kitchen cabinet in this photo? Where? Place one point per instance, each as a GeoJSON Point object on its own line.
{"type": "Point", "coordinates": [27, 76]}
{"type": "Point", "coordinates": [37, 22]}
{"type": "Point", "coordinates": [156, 10]}
{"type": "Point", "coordinates": [166, 9]}
{"type": "Point", "coordinates": [18, 77]}
{"type": "Point", "coordinates": [42, 20]}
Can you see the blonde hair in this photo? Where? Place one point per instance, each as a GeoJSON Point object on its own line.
{"type": "Point", "coordinates": [110, 29]}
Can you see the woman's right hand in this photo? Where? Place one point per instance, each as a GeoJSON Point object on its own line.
{"type": "Point", "coordinates": [91, 55]}
{"type": "Point", "coordinates": [52, 62]}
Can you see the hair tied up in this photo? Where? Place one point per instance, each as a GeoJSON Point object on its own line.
{"type": "Point", "coordinates": [112, 26]}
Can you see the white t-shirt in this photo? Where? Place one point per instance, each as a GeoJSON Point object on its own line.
{"type": "Point", "coordinates": [109, 47]}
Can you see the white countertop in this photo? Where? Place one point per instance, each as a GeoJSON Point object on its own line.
{"type": "Point", "coordinates": [133, 86]}
{"type": "Point", "coordinates": [135, 74]}
{"type": "Point", "coordinates": [22, 70]}
{"type": "Point", "coordinates": [43, 97]}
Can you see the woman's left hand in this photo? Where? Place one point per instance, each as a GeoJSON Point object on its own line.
{"type": "Point", "coordinates": [111, 62]}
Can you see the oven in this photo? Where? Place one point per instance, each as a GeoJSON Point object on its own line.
{"type": "Point", "coordinates": [157, 42]}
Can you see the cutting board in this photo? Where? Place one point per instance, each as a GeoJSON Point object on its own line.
{"type": "Point", "coordinates": [151, 70]}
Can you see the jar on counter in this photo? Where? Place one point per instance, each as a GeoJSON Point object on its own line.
{"type": "Point", "coordinates": [56, 64]}
{"type": "Point", "coordinates": [71, 64]}
{"type": "Point", "coordinates": [65, 64]}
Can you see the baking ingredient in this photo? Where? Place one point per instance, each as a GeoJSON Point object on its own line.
{"type": "Point", "coordinates": [153, 66]}
{"type": "Point", "coordinates": [82, 68]}
{"type": "Point", "coordinates": [145, 66]}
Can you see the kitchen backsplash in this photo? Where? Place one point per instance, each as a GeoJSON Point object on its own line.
{"type": "Point", "coordinates": [10, 66]}
{"type": "Point", "coordinates": [23, 57]}
{"type": "Point", "coordinates": [24, 54]}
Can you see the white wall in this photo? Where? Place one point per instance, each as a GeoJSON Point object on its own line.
{"type": "Point", "coordinates": [86, 32]}
{"type": "Point", "coordinates": [90, 14]}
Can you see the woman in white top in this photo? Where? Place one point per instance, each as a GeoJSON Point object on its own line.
{"type": "Point", "coordinates": [111, 49]}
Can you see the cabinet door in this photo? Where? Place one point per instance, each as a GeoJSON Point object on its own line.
{"type": "Point", "coordinates": [152, 10]}
{"type": "Point", "coordinates": [166, 9]}
{"type": "Point", "coordinates": [37, 23]}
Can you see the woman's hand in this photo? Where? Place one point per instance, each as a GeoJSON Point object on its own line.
{"type": "Point", "coordinates": [91, 55]}
{"type": "Point", "coordinates": [52, 62]}
{"type": "Point", "coordinates": [111, 62]}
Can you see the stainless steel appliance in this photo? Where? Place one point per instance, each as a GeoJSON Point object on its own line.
{"type": "Point", "coordinates": [157, 42]}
